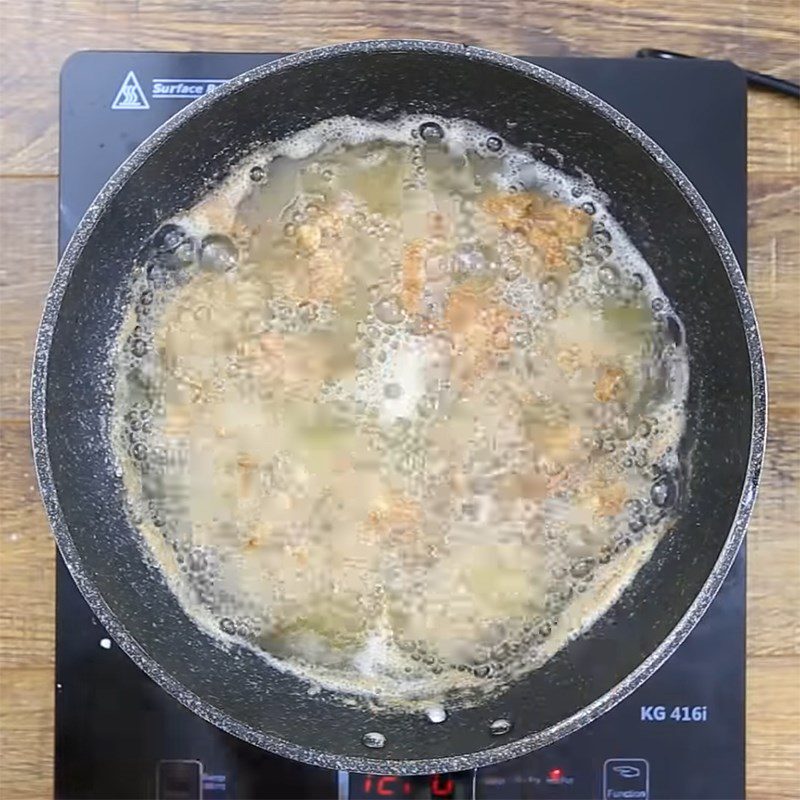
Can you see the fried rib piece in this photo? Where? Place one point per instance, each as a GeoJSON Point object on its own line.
{"type": "Point", "coordinates": [609, 385]}
{"type": "Point", "coordinates": [479, 326]}
{"type": "Point", "coordinates": [547, 225]}
{"type": "Point", "coordinates": [413, 276]}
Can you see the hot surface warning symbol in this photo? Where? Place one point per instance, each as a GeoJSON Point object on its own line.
{"type": "Point", "coordinates": [130, 95]}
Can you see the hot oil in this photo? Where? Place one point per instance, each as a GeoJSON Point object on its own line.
{"type": "Point", "coordinates": [399, 407]}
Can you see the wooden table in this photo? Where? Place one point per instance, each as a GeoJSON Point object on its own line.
{"type": "Point", "coordinates": [38, 36]}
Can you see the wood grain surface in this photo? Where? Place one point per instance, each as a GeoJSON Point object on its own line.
{"type": "Point", "coordinates": [37, 35]}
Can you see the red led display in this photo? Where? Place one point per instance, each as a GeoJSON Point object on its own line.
{"type": "Point", "coordinates": [418, 786]}
{"type": "Point", "coordinates": [442, 786]}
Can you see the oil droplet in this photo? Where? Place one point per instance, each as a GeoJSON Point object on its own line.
{"type": "Point", "coordinates": [436, 714]}
{"type": "Point", "coordinates": [374, 740]}
{"type": "Point", "coordinates": [105, 643]}
{"type": "Point", "coordinates": [500, 727]}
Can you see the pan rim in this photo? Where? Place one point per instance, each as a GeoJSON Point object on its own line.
{"type": "Point", "coordinates": [286, 748]}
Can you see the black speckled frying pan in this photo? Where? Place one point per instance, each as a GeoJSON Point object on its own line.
{"type": "Point", "coordinates": [663, 216]}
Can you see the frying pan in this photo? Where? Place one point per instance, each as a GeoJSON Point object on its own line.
{"type": "Point", "coordinates": [664, 217]}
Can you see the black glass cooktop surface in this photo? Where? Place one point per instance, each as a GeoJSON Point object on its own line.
{"type": "Point", "coordinates": [678, 737]}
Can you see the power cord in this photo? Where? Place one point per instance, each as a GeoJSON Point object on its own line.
{"type": "Point", "coordinates": [760, 79]}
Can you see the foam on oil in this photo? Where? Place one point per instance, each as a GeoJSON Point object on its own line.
{"type": "Point", "coordinates": [398, 406]}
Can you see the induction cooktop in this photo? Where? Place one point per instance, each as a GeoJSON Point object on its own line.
{"type": "Point", "coordinates": [680, 736]}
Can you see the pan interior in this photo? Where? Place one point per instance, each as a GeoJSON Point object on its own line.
{"type": "Point", "coordinates": [399, 406]}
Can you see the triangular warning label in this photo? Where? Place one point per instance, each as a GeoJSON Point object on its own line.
{"type": "Point", "coordinates": [130, 95]}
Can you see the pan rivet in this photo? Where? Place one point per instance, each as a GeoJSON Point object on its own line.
{"type": "Point", "coordinates": [435, 714]}
{"type": "Point", "coordinates": [499, 727]}
{"type": "Point", "coordinates": [373, 739]}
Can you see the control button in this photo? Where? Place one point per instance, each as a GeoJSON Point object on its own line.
{"type": "Point", "coordinates": [626, 779]}
{"type": "Point", "coordinates": [181, 779]}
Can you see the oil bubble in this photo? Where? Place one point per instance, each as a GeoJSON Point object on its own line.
{"type": "Point", "coordinates": [197, 561]}
{"type": "Point", "coordinates": [388, 310]}
{"type": "Point", "coordinates": [494, 144]}
{"type": "Point", "coordinates": [582, 569]}
{"type": "Point", "coordinates": [609, 275]}
{"type": "Point", "coordinates": [482, 670]}
{"type": "Point", "coordinates": [601, 236]}
{"type": "Point", "coordinates": [664, 492]}
{"type": "Point", "coordinates": [169, 238]}
{"type": "Point", "coordinates": [139, 451]}
{"type": "Point", "coordinates": [636, 523]}
{"type": "Point", "coordinates": [218, 253]}
{"type": "Point", "coordinates": [392, 391]}
{"type": "Point", "coordinates": [593, 259]}
{"type": "Point", "coordinates": [674, 331]}
{"type": "Point", "coordinates": [431, 132]}
{"type": "Point", "coordinates": [551, 287]}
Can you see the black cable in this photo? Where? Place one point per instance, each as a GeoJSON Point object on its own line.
{"type": "Point", "coordinates": [770, 82]}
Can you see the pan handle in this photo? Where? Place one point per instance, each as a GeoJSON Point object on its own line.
{"type": "Point", "coordinates": [760, 79]}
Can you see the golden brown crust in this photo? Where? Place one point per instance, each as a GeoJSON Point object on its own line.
{"type": "Point", "coordinates": [413, 276]}
{"type": "Point", "coordinates": [547, 225]}
{"type": "Point", "coordinates": [326, 276]}
{"type": "Point", "coordinates": [609, 500]}
{"type": "Point", "coordinates": [396, 515]}
{"type": "Point", "coordinates": [479, 326]}
{"type": "Point", "coordinates": [609, 385]}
